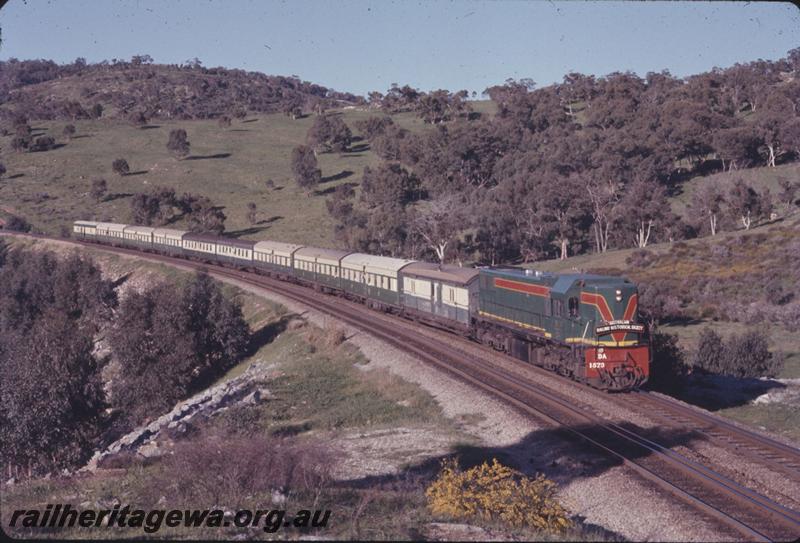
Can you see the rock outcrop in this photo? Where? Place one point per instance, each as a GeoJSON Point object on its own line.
{"type": "Point", "coordinates": [244, 389]}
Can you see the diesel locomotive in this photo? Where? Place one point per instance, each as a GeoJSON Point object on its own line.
{"type": "Point", "coordinates": [585, 327]}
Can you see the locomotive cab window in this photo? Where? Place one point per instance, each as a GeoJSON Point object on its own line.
{"type": "Point", "coordinates": [573, 308]}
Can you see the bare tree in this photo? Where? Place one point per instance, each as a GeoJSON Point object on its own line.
{"type": "Point", "coordinates": [439, 224]}
{"type": "Point", "coordinates": [603, 196]}
{"type": "Point", "coordinates": [708, 204]}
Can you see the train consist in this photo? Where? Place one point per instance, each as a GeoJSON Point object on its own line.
{"type": "Point", "coordinates": [582, 326]}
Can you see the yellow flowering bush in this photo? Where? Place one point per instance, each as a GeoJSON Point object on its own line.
{"type": "Point", "coordinates": [497, 492]}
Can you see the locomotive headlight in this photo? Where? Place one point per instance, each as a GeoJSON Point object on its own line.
{"type": "Point", "coordinates": [619, 295]}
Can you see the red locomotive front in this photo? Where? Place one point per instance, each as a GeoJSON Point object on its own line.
{"type": "Point", "coordinates": [619, 357]}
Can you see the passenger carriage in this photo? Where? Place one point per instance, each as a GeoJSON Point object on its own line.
{"type": "Point", "coordinates": [138, 236]}
{"type": "Point", "coordinates": [84, 229]}
{"type": "Point", "coordinates": [235, 251]}
{"type": "Point", "coordinates": [110, 232]}
{"type": "Point", "coordinates": [200, 245]}
{"type": "Point", "coordinates": [275, 256]}
{"type": "Point", "coordinates": [374, 278]}
{"type": "Point", "coordinates": [319, 266]}
{"type": "Point", "coordinates": [441, 294]}
{"type": "Point", "coordinates": [168, 240]}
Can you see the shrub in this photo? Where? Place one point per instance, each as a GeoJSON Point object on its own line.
{"type": "Point", "coordinates": [17, 224]}
{"type": "Point", "coordinates": [120, 167]}
{"type": "Point", "coordinates": [748, 356]}
{"type": "Point", "coordinates": [69, 131]}
{"type": "Point", "coordinates": [497, 493]}
{"type": "Point", "coordinates": [656, 304]}
{"type": "Point", "coordinates": [43, 143]}
{"type": "Point", "coordinates": [99, 189]}
{"type": "Point", "coordinates": [668, 367]}
{"type": "Point", "coordinates": [640, 258]}
{"type": "Point", "coordinates": [330, 336]}
{"type": "Point", "coordinates": [252, 212]}
{"type": "Point", "coordinates": [178, 144]}
{"type": "Point", "coordinates": [232, 470]}
{"type": "Point", "coordinates": [2, 170]}
{"type": "Point", "coordinates": [743, 356]}
{"type": "Point", "coordinates": [710, 353]}
{"type": "Point", "coordinates": [20, 143]}
{"type": "Point", "coordinates": [775, 292]}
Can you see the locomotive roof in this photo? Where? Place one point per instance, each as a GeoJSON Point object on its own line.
{"type": "Point", "coordinates": [450, 274]}
{"type": "Point", "coordinates": [559, 283]}
{"type": "Point", "coordinates": [87, 223]}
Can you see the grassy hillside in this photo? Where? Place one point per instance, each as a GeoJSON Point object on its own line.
{"type": "Point", "coordinates": [230, 166]}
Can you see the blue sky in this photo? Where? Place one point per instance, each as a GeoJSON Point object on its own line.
{"type": "Point", "coordinates": [362, 46]}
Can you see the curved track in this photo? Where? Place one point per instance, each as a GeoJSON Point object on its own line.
{"type": "Point", "coordinates": [742, 511]}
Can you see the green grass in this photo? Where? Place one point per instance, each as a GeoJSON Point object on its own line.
{"type": "Point", "coordinates": [323, 391]}
{"type": "Point", "coordinates": [774, 417]}
{"type": "Point", "coordinates": [259, 150]}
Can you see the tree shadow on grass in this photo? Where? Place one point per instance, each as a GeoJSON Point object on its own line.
{"type": "Point", "coordinates": [267, 333]}
{"type": "Point", "coordinates": [79, 136]}
{"type": "Point", "coordinates": [270, 220]}
{"type": "Point", "coordinates": [206, 157]}
{"type": "Point", "coordinates": [239, 130]}
{"type": "Point", "coordinates": [117, 196]}
{"type": "Point", "coordinates": [246, 231]}
{"type": "Point", "coordinates": [249, 120]}
{"type": "Point", "coordinates": [16, 176]}
{"type": "Point", "coordinates": [330, 190]}
{"type": "Point", "coordinates": [360, 148]}
{"type": "Point", "coordinates": [121, 280]}
{"type": "Point", "coordinates": [138, 172]}
{"type": "Point", "coordinates": [51, 148]}
{"type": "Point", "coordinates": [150, 127]}
{"type": "Point", "coordinates": [344, 174]}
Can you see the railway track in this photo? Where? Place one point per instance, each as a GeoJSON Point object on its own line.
{"type": "Point", "coordinates": [742, 511]}
{"type": "Point", "coordinates": [777, 456]}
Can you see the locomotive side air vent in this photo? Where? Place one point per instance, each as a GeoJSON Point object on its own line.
{"type": "Point", "coordinates": [528, 271]}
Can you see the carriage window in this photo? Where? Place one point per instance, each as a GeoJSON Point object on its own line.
{"type": "Point", "coordinates": [573, 307]}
